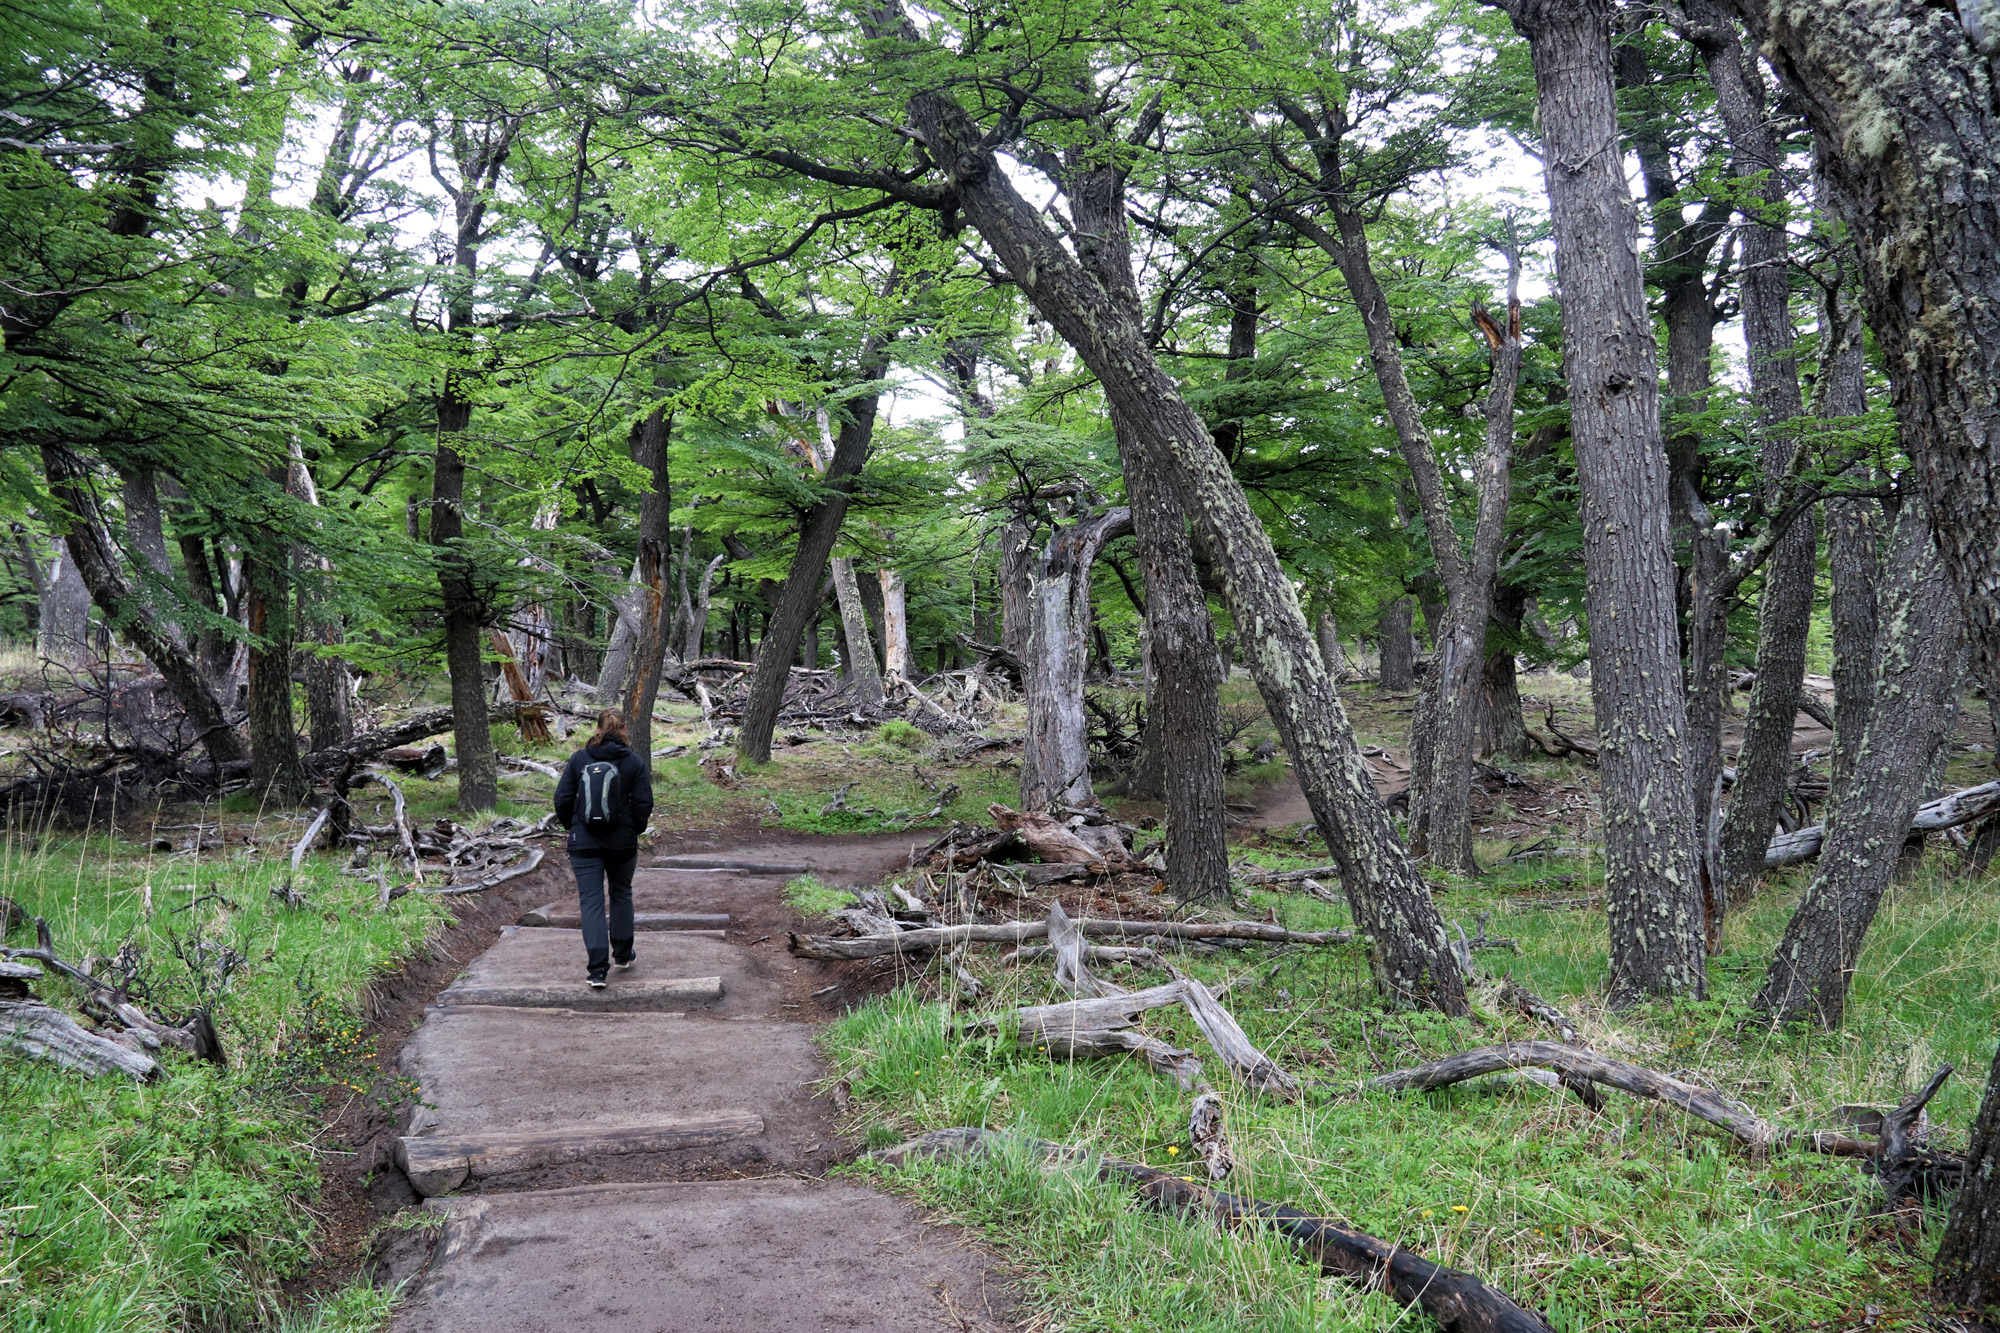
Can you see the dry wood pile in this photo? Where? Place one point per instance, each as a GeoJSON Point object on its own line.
{"type": "Point", "coordinates": [130, 1030]}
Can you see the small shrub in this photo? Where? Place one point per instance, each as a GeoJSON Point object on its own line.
{"type": "Point", "coordinates": [902, 734]}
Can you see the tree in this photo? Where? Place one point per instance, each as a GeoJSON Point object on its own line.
{"type": "Point", "coordinates": [1652, 890]}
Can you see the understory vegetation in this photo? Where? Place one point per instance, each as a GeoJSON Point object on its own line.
{"type": "Point", "coordinates": [1632, 1217]}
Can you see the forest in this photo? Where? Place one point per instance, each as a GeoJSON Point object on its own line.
{"type": "Point", "coordinates": [1437, 560]}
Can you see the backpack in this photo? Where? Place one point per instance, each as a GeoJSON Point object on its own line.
{"type": "Point", "coordinates": [601, 802]}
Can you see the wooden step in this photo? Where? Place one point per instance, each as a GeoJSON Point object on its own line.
{"type": "Point", "coordinates": [436, 1165]}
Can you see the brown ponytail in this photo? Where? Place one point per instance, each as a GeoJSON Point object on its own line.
{"type": "Point", "coordinates": [610, 727]}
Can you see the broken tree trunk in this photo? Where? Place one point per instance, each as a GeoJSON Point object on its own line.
{"type": "Point", "coordinates": [1458, 1301]}
{"type": "Point", "coordinates": [1055, 765]}
{"type": "Point", "coordinates": [1947, 812]}
{"type": "Point", "coordinates": [835, 948]}
{"type": "Point", "coordinates": [1966, 1272]}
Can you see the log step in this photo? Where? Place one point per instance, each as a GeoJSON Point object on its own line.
{"type": "Point", "coordinates": [567, 918]}
{"type": "Point", "coordinates": [436, 1165]}
{"type": "Point", "coordinates": [720, 863]}
{"type": "Point", "coordinates": [578, 995]}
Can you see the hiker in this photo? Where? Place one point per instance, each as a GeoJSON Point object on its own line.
{"type": "Point", "coordinates": [604, 799]}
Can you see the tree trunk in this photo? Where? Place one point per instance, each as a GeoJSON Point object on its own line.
{"type": "Point", "coordinates": [800, 596]}
{"type": "Point", "coordinates": [1851, 527]}
{"type": "Point", "coordinates": [1502, 729]}
{"type": "Point", "coordinates": [1764, 763]}
{"type": "Point", "coordinates": [1653, 895]}
{"type": "Point", "coordinates": [97, 562]}
{"type": "Point", "coordinates": [62, 611]}
{"type": "Point", "coordinates": [1441, 800]}
{"type": "Point", "coordinates": [1015, 557]}
{"type": "Point", "coordinates": [1410, 956]}
{"type": "Point", "coordinates": [1058, 658]}
{"type": "Point", "coordinates": [275, 771]}
{"type": "Point", "coordinates": [1966, 1273]}
{"type": "Point", "coordinates": [146, 536]}
{"type": "Point", "coordinates": [860, 659]}
{"type": "Point", "coordinates": [1395, 644]}
{"type": "Point", "coordinates": [697, 619]}
{"type": "Point", "coordinates": [649, 440]}
{"type": "Point", "coordinates": [1180, 743]}
{"type": "Point", "coordinates": [1898, 94]}
{"type": "Point", "coordinates": [1327, 630]}
{"type": "Point", "coordinates": [615, 671]}
{"type": "Point", "coordinates": [329, 715]}
{"type": "Point", "coordinates": [895, 625]}
{"type": "Point", "coordinates": [1919, 664]}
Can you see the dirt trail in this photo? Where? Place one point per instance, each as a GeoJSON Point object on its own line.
{"type": "Point", "coordinates": [653, 1156]}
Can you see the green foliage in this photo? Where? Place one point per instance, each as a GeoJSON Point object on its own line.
{"type": "Point", "coordinates": [902, 735]}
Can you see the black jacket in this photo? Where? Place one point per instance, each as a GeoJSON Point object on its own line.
{"type": "Point", "coordinates": [633, 779]}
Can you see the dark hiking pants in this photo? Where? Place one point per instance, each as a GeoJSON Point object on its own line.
{"type": "Point", "coordinates": [593, 870]}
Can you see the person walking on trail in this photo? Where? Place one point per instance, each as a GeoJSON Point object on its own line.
{"type": "Point", "coordinates": [604, 799]}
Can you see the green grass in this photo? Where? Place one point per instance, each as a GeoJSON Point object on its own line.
{"type": "Point", "coordinates": [810, 896]}
{"type": "Point", "coordinates": [186, 1203]}
{"type": "Point", "coordinates": [1626, 1219]}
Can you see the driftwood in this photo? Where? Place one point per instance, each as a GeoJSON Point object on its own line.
{"type": "Point", "coordinates": [1460, 1302]}
{"type": "Point", "coordinates": [305, 843]}
{"type": "Point", "coordinates": [524, 867]}
{"type": "Point", "coordinates": [834, 948]}
{"type": "Point", "coordinates": [1947, 812]}
{"type": "Point", "coordinates": [107, 1003]}
{"type": "Point", "coordinates": [1754, 1132]}
{"type": "Point", "coordinates": [39, 1032]}
{"type": "Point", "coordinates": [1105, 1014]}
{"type": "Point", "coordinates": [1182, 1066]}
{"type": "Point", "coordinates": [436, 1165]}
{"type": "Point", "coordinates": [402, 823]}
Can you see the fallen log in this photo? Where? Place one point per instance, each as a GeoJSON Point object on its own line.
{"type": "Point", "coordinates": [1254, 1068]}
{"type": "Point", "coordinates": [1569, 1062]}
{"type": "Point", "coordinates": [1947, 812]}
{"type": "Point", "coordinates": [369, 744]}
{"type": "Point", "coordinates": [1049, 840]}
{"type": "Point", "coordinates": [1182, 1066]}
{"type": "Point", "coordinates": [1109, 954]}
{"type": "Point", "coordinates": [1107, 1013]}
{"type": "Point", "coordinates": [525, 867]}
{"type": "Point", "coordinates": [39, 1032]}
{"type": "Point", "coordinates": [835, 949]}
{"type": "Point", "coordinates": [1460, 1302]}
{"type": "Point", "coordinates": [437, 1165]}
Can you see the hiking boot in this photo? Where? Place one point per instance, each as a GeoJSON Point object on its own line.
{"type": "Point", "coordinates": [623, 955]}
{"type": "Point", "coordinates": [597, 981]}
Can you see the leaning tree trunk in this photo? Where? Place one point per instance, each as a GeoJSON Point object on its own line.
{"type": "Point", "coordinates": [1395, 645]}
{"type": "Point", "coordinates": [1965, 1275]}
{"type": "Point", "coordinates": [649, 644]}
{"type": "Point", "coordinates": [1411, 958]}
{"type": "Point", "coordinates": [1058, 659]}
{"type": "Point", "coordinates": [1899, 95]}
{"type": "Point", "coordinates": [1919, 663]}
{"type": "Point", "coordinates": [1653, 895]}
{"type": "Point", "coordinates": [800, 596]}
{"type": "Point", "coordinates": [97, 561]}
{"type": "Point", "coordinates": [1764, 762]}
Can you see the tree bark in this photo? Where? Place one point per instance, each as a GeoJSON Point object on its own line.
{"type": "Point", "coordinates": [62, 612]}
{"type": "Point", "coordinates": [1851, 530]}
{"type": "Point", "coordinates": [895, 624]}
{"type": "Point", "coordinates": [1653, 895]}
{"type": "Point", "coordinates": [275, 770]}
{"type": "Point", "coordinates": [1966, 1273]}
{"type": "Point", "coordinates": [800, 596]}
{"type": "Point", "coordinates": [1919, 663]}
{"type": "Point", "coordinates": [1441, 803]}
{"type": "Point", "coordinates": [146, 537]}
{"type": "Point", "coordinates": [97, 563]}
{"type": "Point", "coordinates": [1410, 956]}
{"type": "Point", "coordinates": [329, 716]}
{"type": "Point", "coordinates": [1327, 630]}
{"type": "Point", "coordinates": [1395, 644]}
{"type": "Point", "coordinates": [1057, 661]}
{"type": "Point", "coordinates": [1899, 97]}
{"type": "Point", "coordinates": [1764, 762]}
{"type": "Point", "coordinates": [650, 435]}
{"type": "Point", "coordinates": [860, 660]}
{"type": "Point", "coordinates": [1502, 729]}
